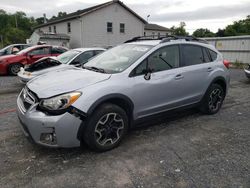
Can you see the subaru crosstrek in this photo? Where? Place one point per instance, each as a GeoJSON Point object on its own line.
{"type": "Point", "coordinates": [98, 103]}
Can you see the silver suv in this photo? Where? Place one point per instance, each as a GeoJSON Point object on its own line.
{"type": "Point", "coordinates": [98, 103]}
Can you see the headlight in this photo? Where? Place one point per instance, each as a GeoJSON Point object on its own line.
{"type": "Point", "coordinates": [27, 73]}
{"type": "Point", "coordinates": [61, 102]}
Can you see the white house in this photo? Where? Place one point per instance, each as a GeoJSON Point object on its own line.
{"type": "Point", "coordinates": [104, 25]}
{"type": "Point", "coordinates": [156, 30]}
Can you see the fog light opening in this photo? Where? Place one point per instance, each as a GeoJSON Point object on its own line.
{"type": "Point", "coordinates": [48, 138]}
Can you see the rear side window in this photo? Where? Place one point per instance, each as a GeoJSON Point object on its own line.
{"type": "Point", "coordinates": [192, 55]}
{"type": "Point", "coordinates": [98, 52]}
{"type": "Point", "coordinates": [213, 55]}
{"type": "Point", "coordinates": [206, 58]}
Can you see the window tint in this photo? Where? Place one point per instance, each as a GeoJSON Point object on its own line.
{"type": "Point", "coordinates": [40, 51]}
{"type": "Point", "coordinates": [213, 55]}
{"type": "Point", "coordinates": [109, 27]}
{"type": "Point", "coordinates": [83, 58]}
{"type": "Point", "coordinates": [163, 59]}
{"type": "Point", "coordinates": [56, 50]}
{"type": "Point", "coordinates": [206, 58]}
{"type": "Point", "coordinates": [192, 55]}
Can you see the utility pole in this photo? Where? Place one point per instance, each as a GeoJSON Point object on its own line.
{"type": "Point", "coordinates": [16, 21]}
{"type": "Point", "coordinates": [148, 17]}
{"type": "Point", "coordinates": [1, 40]}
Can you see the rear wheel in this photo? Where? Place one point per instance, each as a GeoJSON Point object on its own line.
{"type": "Point", "coordinates": [106, 127]}
{"type": "Point", "coordinates": [213, 99]}
{"type": "Point", "coordinates": [14, 68]}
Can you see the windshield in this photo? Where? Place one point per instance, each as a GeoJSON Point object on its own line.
{"type": "Point", "coordinates": [67, 56]}
{"type": "Point", "coordinates": [118, 58]}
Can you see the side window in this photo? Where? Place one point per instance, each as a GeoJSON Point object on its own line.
{"type": "Point", "coordinates": [98, 52]}
{"type": "Point", "coordinates": [206, 58]}
{"type": "Point", "coordinates": [213, 55]}
{"type": "Point", "coordinates": [192, 55]}
{"type": "Point", "coordinates": [109, 27]}
{"type": "Point", "coordinates": [163, 59]}
{"type": "Point", "coordinates": [40, 51]}
{"type": "Point", "coordinates": [83, 58]}
{"type": "Point", "coordinates": [55, 50]}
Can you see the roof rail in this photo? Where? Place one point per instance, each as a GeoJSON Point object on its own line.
{"type": "Point", "coordinates": [166, 38]}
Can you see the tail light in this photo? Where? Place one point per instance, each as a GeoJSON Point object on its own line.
{"type": "Point", "coordinates": [226, 63]}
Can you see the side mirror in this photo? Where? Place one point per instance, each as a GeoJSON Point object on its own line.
{"type": "Point", "coordinates": [76, 64]}
{"type": "Point", "coordinates": [147, 73]}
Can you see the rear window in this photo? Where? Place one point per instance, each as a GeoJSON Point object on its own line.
{"type": "Point", "coordinates": [213, 55]}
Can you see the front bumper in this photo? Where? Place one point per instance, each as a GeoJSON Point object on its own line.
{"type": "Point", "coordinates": [247, 72]}
{"type": "Point", "coordinates": [35, 124]}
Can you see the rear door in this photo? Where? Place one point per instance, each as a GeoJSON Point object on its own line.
{"type": "Point", "coordinates": [195, 70]}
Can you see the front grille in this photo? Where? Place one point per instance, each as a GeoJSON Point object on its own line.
{"type": "Point", "coordinates": [27, 99]}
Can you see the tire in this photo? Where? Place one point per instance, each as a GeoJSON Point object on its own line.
{"type": "Point", "coordinates": [213, 100]}
{"type": "Point", "coordinates": [105, 128]}
{"type": "Point", "coordinates": [14, 68]}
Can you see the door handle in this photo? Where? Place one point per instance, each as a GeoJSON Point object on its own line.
{"type": "Point", "coordinates": [209, 69]}
{"type": "Point", "coordinates": [179, 76]}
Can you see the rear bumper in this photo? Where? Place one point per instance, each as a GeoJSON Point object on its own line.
{"type": "Point", "coordinates": [35, 124]}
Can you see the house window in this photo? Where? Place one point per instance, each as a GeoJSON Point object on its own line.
{"type": "Point", "coordinates": [153, 34]}
{"type": "Point", "coordinates": [50, 29]}
{"type": "Point", "coordinates": [122, 28]}
{"type": "Point", "coordinates": [69, 27]}
{"type": "Point", "coordinates": [159, 35]}
{"type": "Point", "coordinates": [144, 33]}
{"type": "Point", "coordinates": [54, 29]}
{"type": "Point", "coordinates": [109, 27]}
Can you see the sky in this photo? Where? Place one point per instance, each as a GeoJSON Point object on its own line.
{"type": "Point", "coordinates": [212, 14]}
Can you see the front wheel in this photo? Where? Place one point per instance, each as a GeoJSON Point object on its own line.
{"type": "Point", "coordinates": [213, 99]}
{"type": "Point", "coordinates": [14, 68]}
{"type": "Point", "coordinates": [106, 127]}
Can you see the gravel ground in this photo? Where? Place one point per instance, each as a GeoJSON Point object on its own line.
{"type": "Point", "coordinates": [187, 149]}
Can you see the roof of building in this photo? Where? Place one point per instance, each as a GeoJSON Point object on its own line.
{"type": "Point", "coordinates": [44, 35]}
{"type": "Point", "coordinates": [156, 27]}
{"type": "Point", "coordinates": [228, 38]}
{"type": "Point", "coordinates": [89, 10]}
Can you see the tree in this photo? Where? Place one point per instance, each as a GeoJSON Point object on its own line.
{"type": "Point", "coordinates": [180, 31]}
{"type": "Point", "coordinates": [220, 33]}
{"type": "Point", "coordinates": [203, 33]}
{"type": "Point", "coordinates": [59, 15]}
{"type": "Point", "coordinates": [40, 20]}
{"type": "Point", "coordinates": [241, 27]}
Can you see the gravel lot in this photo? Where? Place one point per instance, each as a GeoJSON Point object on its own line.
{"type": "Point", "coordinates": [187, 149]}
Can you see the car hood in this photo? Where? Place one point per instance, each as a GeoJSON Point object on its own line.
{"type": "Point", "coordinates": [6, 57]}
{"type": "Point", "coordinates": [63, 81]}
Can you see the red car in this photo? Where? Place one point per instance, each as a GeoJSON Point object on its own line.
{"type": "Point", "coordinates": [11, 64]}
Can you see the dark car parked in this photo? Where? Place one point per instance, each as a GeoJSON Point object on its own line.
{"type": "Point", "coordinates": [11, 64]}
{"type": "Point", "coordinates": [13, 48]}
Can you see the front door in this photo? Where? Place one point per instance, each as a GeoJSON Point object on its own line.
{"type": "Point", "coordinates": [162, 89]}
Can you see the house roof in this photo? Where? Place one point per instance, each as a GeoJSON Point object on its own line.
{"type": "Point", "coordinates": [156, 27]}
{"type": "Point", "coordinates": [83, 12]}
{"type": "Point", "coordinates": [44, 35]}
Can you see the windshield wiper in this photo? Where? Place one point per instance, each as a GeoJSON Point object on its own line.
{"type": "Point", "coordinates": [96, 69]}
